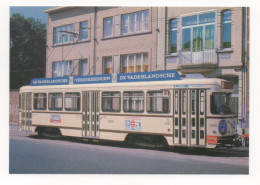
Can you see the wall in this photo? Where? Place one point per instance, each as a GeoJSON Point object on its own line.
{"type": "Point", "coordinates": [73, 51]}
{"type": "Point", "coordinates": [14, 106]}
{"type": "Point", "coordinates": [118, 44]}
{"type": "Point", "coordinates": [114, 46]}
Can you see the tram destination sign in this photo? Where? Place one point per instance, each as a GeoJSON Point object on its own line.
{"type": "Point", "coordinates": [148, 76]}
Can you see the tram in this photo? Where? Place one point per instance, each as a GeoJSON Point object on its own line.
{"type": "Point", "coordinates": [158, 108]}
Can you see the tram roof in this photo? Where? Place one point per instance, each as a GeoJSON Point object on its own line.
{"type": "Point", "coordinates": [185, 83]}
{"type": "Point", "coordinates": [163, 79]}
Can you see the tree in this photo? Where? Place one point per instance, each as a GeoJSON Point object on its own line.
{"type": "Point", "coordinates": [27, 50]}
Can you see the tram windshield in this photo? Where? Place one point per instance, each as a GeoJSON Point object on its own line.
{"type": "Point", "coordinates": [221, 103]}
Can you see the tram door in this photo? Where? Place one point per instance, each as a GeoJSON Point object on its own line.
{"type": "Point", "coordinates": [180, 117]}
{"type": "Point", "coordinates": [197, 117]}
{"type": "Point", "coordinates": [189, 117]}
{"type": "Point", "coordinates": [90, 121]}
{"type": "Point", "coordinates": [26, 112]}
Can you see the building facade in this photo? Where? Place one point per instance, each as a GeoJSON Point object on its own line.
{"type": "Point", "coordinates": [107, 40]}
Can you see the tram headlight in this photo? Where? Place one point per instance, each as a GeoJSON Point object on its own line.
{"type": "Point", "coordinates": [222, 127]}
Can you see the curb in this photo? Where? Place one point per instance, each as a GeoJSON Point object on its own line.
{"type": "Point", "coordinates": [240, 149]}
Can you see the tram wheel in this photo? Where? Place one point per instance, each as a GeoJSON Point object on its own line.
{"type": "Point", "coordinates": [146, 141]}
{"type": "Point", "coordinates": [49, 132]}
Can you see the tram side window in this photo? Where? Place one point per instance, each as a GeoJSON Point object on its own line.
{"type": "Point", "coordinates": [133, 101]}
{"type": "Point", "coordinates": [55, 101]}
{"type": "Point", "coordinates": [111, 102]}
{"type": "Point", "coordinates": [184, 101]}
{"type": "Point", "coordinates": [72, 101]}
{"type": "Point", "coordinates": [201, 102]}
{"type": "Point", "coordinates": [39, 101]}
{"type": "Point", "coordinates": [193, 102]}
{"type": "Point", "coordinates": [158, 102]}
{"type": "Point", "coordinates": [176, 102]}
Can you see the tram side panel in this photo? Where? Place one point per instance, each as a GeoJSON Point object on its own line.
{"type": "Point", "coordinates": [70, 124]}
{"type": "Point", "coordinates": [116, 127]}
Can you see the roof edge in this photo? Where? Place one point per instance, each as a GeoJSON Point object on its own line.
{"type": "Point", "coordinates": [58, 9]}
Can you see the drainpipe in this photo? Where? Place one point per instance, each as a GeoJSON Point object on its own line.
{"type": "Point", "coordinates": [244, 70]}
{"type": "Point", "coordinates": [166, 36]}
{"type": "Point", "coordinates": [245, 64]}
{"type": "Point", "coordinates": [95, 41]}
{"type": "Point", "coordinates": [157, 36]}
{"type": "Point", "coordinates": [160, 34]}
{"type": "Point", "coordinates": [244, 24]}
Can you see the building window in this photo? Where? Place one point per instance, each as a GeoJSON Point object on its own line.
{"type": "Point", "coordinates": [111, 102]}
{"type": "Point", "coordinates": [173, 36]}
{"type": "Point", "coordinates": [226, 28]}
{"type": "Point", "coordinates": [107, 65]}
{"type": "Point", "coordinates": [108, 26]}
{"type": "Point", "coordinates": [158, 101]}
{"type": "Point", "coordinates": [62, 35]}
{"type": "Point", "coordinates": [40, 101]}
{"type": "Point", "coordinates": [186, 39]}
{"type": "Point", "coordinates": [83, 67]}
{"type": "Point", "coordinates": [83, 30]}
{"type": "Point", "coordinates": [60, 69]}
{"type": "Point", "coordinates": [198, 32]}
{"type": "Point", "coordinates": [72, 101]}
{"type": "Point", "coordinates": [134, 63]}
{"type": "Point", "coordinates": [135, 22]}
{"type": "Point", "coordinates": [133, 101]}
{"type": "Point", "coordinates": [55, 101]}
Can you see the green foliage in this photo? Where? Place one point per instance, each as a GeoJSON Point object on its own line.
{"type": "Point", "coordinates": [27, 50]}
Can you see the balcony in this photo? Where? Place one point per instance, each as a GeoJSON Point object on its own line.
{"type": "Point", "coordinates": [199, 61]}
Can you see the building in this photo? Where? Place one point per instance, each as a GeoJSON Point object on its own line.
{"type": "Point", "coordinates": [105, 40]}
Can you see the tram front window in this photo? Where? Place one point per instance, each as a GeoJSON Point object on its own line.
{"type": "Point", "coordinates": [221, 103]}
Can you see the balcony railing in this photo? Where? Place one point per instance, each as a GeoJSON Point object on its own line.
{"type": "Point", "coordinates": [198, 57]}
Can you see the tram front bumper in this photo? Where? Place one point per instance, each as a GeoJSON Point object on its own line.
{"type": "Point", "coordinates": [229, 141]}
{"type": "Point", "coordinates": [224, 141]}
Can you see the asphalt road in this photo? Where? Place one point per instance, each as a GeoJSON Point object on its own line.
{"type": "Point", "coordinates": [30, 154]}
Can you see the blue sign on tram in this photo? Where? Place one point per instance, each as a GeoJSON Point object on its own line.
{"type": "Point", "coordinates": [50, 81]}
{"type": "Point", "coordinates": [92, 79]}
{"type": "Point", "coordinates": [148, 76]}
{"type": "Point", "coordinates": [108, 78]}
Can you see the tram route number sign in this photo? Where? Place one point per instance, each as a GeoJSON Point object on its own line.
{"type": "Point", "coordinates": [133, 124]}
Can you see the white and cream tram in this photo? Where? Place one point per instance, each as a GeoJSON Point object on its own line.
{"type": "Point", "coordinates": [157, 108]}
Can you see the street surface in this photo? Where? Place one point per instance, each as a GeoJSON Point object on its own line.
{"type": "Point", "coordinates": [30, 154]}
